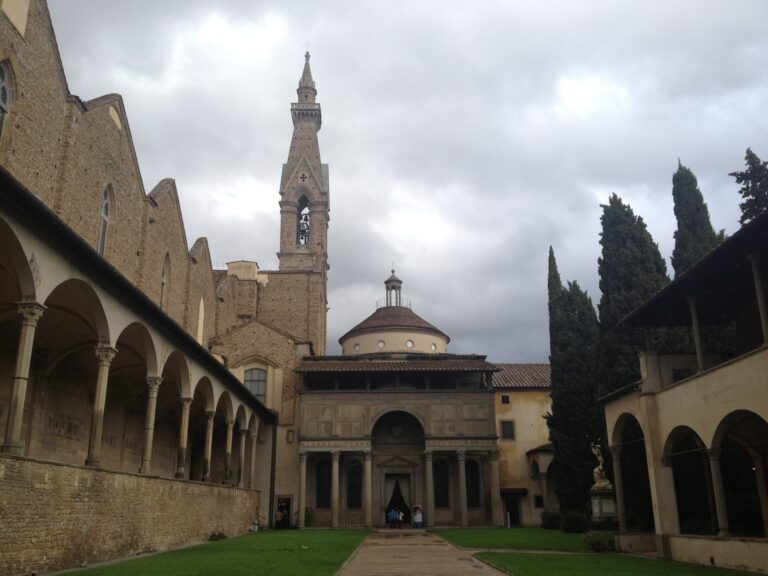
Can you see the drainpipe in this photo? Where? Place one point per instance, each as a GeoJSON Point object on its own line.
{"type": "Point", "coordinates": [271, 521]}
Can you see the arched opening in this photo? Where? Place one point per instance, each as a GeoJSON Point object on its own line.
{"type": "Point", "coordinates": [168, 412]}
{"type": "Point", "coordinates": [693, 481]}
{"type": "Point", "coordinates": [302, 221]}
{"type": "Point", "coordinates": [220, 472]}
{"type": "Point", "coordinates": [238, 446]}
{"type": "Point", "coordinates": [202, 402]}
{"type": "Point", "coordinates": [742, 439]}
{"type": "Point", "coordinates": [105, 214]}
{"type": "Point", "coordinates": [634, 472]}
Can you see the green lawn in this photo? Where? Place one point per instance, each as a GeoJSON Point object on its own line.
{"type": "Point", "coordinates": [522, 564]}
{"type": "Point", "coordinates": [514, 538]}
{"type": "Point", "coordinates": [273, 553]}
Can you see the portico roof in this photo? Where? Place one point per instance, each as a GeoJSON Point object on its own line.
{"type": "Point", "coordinates": [397, 363]}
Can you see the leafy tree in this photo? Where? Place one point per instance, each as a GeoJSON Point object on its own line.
{"type": "Point", "coordinates": [754, 186]}
{"type": "Point", "coordinates": [694, 236]}
{"type": "Point", "coordinates": [631, 270]}
{"type": "Point", "coordinates": [573, 421]}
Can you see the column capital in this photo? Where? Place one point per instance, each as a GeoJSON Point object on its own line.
{"type": "Point", "coordinates": [31, 312]}
{"type": "Point", "coordinates": [367, 455]}
{"type": "Point", "coordinates": [493, 455]}
{"type": "Point", "coordinates": [714, 453]}
{"type": "Point", "coordinates": [243, 432]}
{"type": "Point", "coordinates": [302, 456]}
{"type": "Point", "coordinates": [153, 383]}
{"type": "Point", "coordinates": [461, 455]}
{"type": "Point", "coordinates": [428, 455]}
{"type": "Point", "coordinates": [230, 425]}
{"type": "Point", "coordinates": [210, 414]}
{"type": "Point", "coordinates": [105, 355]}
{"type": "Point", "coordinates": [335, 455]}
{"type": "Point", "coordinates": [185, 402]}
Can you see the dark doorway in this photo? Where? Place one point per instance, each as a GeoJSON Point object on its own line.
{"type": "Point", "coordinates": [283, 514]}
{"type": "Point", "coordinates": [399, 484]}
{"type": "Point", "coordinates": [512, 509]}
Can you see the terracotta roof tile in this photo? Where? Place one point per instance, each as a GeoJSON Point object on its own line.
{"type": "Point", "coordinates": [404, 363]}
{"type": "Point", "coordinates": [522, 376]}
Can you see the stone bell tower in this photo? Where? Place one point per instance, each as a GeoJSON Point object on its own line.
{"type": "Point", "coordinates": [304, 202]}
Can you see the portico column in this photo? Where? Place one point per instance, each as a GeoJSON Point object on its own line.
{"type": "Point", "coordinates": [760, 292]}
{"type": "Point", "coordinates": [497, 514]}
{"type": "Point", "coordinates": [717, 487]}
{"type": "Point", "coordinates": [254, 443]}
{"type": "Point", "coordinates": [335, 489]}
{"type": "Point", "coordinates": [153, 386]}
{"type": "Point", "coordinates": [368, 488]}
{"type": "Point", "coordinates": [31, 312]}
{"type": "Point", "coordinates": [105, 354]}
{"type": "Point", "coordinates": [461, 456]}
{"type": "Point", "coordinates": [696, 332]}
{"type": "Point", "coordinates": [228, 453]}
{"type": "Point", "coordinates": [618, 484]}
{"type": "Point", "coordinates": [430, 487]}
{"type": "Point", "coordinates": [302, 488]}
{"type": "Point", "coordinates": [209, 415]}
{"type": "Point", "coordinates": [181, 457]}
{"type": "Point", "coordinates": [241, 466]}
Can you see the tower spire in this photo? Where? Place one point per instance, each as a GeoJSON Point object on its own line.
{"type": "Point", "coordinates": [306, 89]}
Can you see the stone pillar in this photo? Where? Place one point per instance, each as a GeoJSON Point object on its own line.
{"type": "Point", "coordinates": [717, 488]}
{"type": "Point", "coordinates": [228, 453]}
{"type": "Point", "coordinates": [429, 485]}
{"type": "Point", "coordinates": [335, 489]}
{"type": "Point", "coordinates": [762, 489]}
{"type": "Point", "coordinates": [241, 465]}
{"type": "Point", "coordinates": [497, 510]}
{"type": "Point", "coordinates": [368, 489]}
{"type": "Point", "coordinates": [618, 485]}
{"type": "Point", "coordinates": [252, 471]}
{"type": "Point", "coordinates": [461, 457]}
{"type": "Point", "coordinates": [30, 312]}
{"type": "Point", "coordinates": [181, 457]}
{"type": "Point", "coordinates": [696, 332]}
{"type": "Point", "coordinates": [209, 415]}
{"type": "Point", "coordinates": [760, 293]}
{"type": "Point", "coordinates": [105, 354]}
{"type": "Point", "coordinates": [302, 488]}
{"type": "Point", "coordinates": [153, 386]}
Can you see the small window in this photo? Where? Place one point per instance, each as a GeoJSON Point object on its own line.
{"type": "Point", "coordinates": [538, 501]}
{"type": "Point", "coordinates": [165, 280]}
{"type": "Point", "coordinates": [505, 399]}
{"type": "Point", "coordinates": [6, 91]}
{"type": "Point", "coordinates": [508, 430]}
{"type": "Point", "coordinates": [256, 382]}
{"type": "Point", "coordinates": [106, 208]}
{"type": "Point", "coordinates": [380, 344]}
{"type": "Point", "coordinates": [409, 343]}
{"type": "Point", "coordinates": [434, 347]}
{"type": "Point", "coordinates": [357, 347]}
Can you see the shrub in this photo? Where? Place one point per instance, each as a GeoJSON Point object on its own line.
{"type": "Point", "coordinates": [309, 517]}
{"type": "Point", "coordinates": [551, 520]}
{"type": "Point", "coordinates": [216, 536]}
{"type": "Point", "coordinates": [605, 525]}
{"type": "Point", "coordinates": [575, 522]}
{"type": "Point", "coordinates": [599, 541]}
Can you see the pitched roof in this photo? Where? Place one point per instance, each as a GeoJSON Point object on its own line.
{"type": "Point", "coordinates": [397, 363]}
{"type": "Point", "coordinates": [393, 318]}
{"type": "Point", "coordinates": [522, 376]}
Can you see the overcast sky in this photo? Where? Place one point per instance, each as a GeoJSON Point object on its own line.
{"type": "Point", "coordinates": [463, 138]}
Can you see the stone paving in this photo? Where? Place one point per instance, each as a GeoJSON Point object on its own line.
{"type": "Point", "coordinates": [405, 553]}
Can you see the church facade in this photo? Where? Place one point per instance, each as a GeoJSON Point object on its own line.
{"type": "Point", "coordinates": [148, 400]}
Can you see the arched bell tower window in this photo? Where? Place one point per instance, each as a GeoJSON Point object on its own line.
{"type": "Point", "coordinates": [302, 225]}
{"type": "Point", "coordinates": [6, 91]}
{"type": "Point", "coordinates": [165, 280]}
{"type": "Point", "coordinates": [106, 211]}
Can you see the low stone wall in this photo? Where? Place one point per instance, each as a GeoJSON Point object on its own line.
{"type": "Point", "coordinates": [635, 542]}
{"type": "Point", "coordinates": [55, 516]}
{"type": "Point", "coordinates": [738, 553]}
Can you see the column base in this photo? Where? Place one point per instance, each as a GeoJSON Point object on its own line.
{"type": "Point", "coordinates": [144, 470]}
{"type": "Point", "coordinates": [724, 533]}
{"type": "Point", "coordinates": [179, 474]}
{"type": "Point", "coordinates": [13, 448]}
{"type": "Point", "coordinates": [93, 462]}
{"type": "Point", "coordinates": [207, 478]}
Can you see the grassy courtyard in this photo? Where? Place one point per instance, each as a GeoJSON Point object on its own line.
{"type": "Point", "coordinates": [514, 539]}
{"type": "Point", "coordinates": [273, 553]}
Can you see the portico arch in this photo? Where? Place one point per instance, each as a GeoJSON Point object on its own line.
{"type": "Point", "coordinates": [629, 443]}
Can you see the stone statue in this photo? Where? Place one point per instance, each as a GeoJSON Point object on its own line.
{"type": "Point", "coordinates": [598, 474]}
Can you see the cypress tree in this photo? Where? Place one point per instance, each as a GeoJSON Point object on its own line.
{"type": "Point", "coordinates": [694, 236]}
{"type": "Point", "coordinates": [631, 270]}
{"type": "Point", "coordinates": [754, 186]}
{"type": "Point", "coordinates": [572, 423]}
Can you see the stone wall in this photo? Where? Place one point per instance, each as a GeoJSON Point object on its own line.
{"type": "Point", "coordinates": [84, 515]}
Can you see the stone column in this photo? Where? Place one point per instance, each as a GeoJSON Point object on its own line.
{"type": "Point", "coordinates": [717, 488]}
{"type": "Point", "coordinates": [497, 510]}
{"type": "Point", "coordinates": [368, 489]}
{"type": "Point", "coordinates": [241, 466]}
{"type": "Point", "coordinates": [618, 485]}
{"type": "Point", "coordinates": [429, 484]}
{"type": "Point", "coordinates": [252, 471]}
{"type": "Point", "coordinates": [760, 292]}
{"type": "Point", "coordinates": [153, 386]}
{"type": "Point", "coordinates": [335, 489]}
{"type": "Point", "coordinates": [209, 415]}
{"type": "Point", "coordinates": [461, 457]}
{"type": "Point", "coordinates": [696, 332]}
{"type": "Point", "coordinates": [302, 488]}
{"type": "Point", "coordinates": [228, 453]}
{"type": "Point", "coordinates": [181, 457]}
{"type": "Point", "coordinates": [30, 312]}
{"type": "Point", "coordinates": [105, 354]}
{"type": "Point", "coordinates": [762, 489]}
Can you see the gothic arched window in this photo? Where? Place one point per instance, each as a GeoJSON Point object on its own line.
{"type": "Point", "coordinates": [106, 210]}
{"type": "Point", "coordinates": [323, 484]}
{"type": "Point", "coordinates": [472, 469]}
{"type": "Point", "coordinates": [256, 382]}
{"type": "Point", "coordinates": [354, 485]}
{"type": "Point", "coordinates": [6, 91]}
{"type": "Point", "coordinates": [302, 222]}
